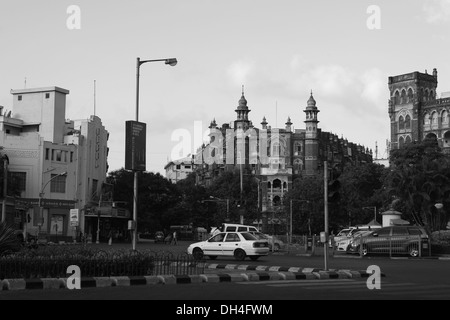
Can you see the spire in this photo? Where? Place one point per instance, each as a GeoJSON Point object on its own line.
{"type": "Point", "coordinates": [242, 101]}
{"type": "Point", "coordinates": [311, 102]}
{"type": "Point", "coordinates": [264, 123]}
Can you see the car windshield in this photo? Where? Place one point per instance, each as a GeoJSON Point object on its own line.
{"type": "Point", "coordinates": [343, 232]}
{"type": "Point", "coordinates": [248, 236]}
{"type": "Point", "coordinates": [260, 235]}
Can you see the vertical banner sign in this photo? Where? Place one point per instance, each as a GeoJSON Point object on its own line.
{"type": "Point", "coordinates": [135, 145]}
{"type": "Point", "coordinates": [74, 217]}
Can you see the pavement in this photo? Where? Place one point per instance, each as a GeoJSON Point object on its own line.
{"type": "Point", "coordinates": [213, 272]}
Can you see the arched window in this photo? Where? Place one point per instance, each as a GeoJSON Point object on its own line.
{"type": "Point", "coordinates": [408, 140]}
{"type": "Point", "coordinates": [426, 119]}
{"type": "Point", "coordinates": [432, 97]}
{"type": "Point", "coordinates": [444, 118]}
{"type": "Point", "coordinates": [277, 183]}
{"type": "Point", "coordinates": [401, 123]}
{"type": "Point", "coordinates": [431, 137]}
{"type": "Point", "coordinates": [401, 142]}
{"type": "Point", "coordinates": [410, 95]}
{"type": "Point", "coordinates": [425, 97]}
{"type": "Point", "coordinates": [284, 185]}
{"type": "Point", "coordinates": [297, 148]}
{"type": "Point", "coordinates": [446, 140]}
{"type": "Point", "coordinates": [407, 122]}
{"type": "Point", "coordinates": [434, 119]}
{"type": "Point", "coordinates": [269, 185]}
{"type": "Point", "coordinates": [396, 97]}
{"type": "Point", "coordinates": [275, 149]}
{"type": "Point", "coordinates": [403, 96]}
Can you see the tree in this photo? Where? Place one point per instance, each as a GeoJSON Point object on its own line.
{"type": "Point", "coordinates": [228, 186]}
{"type": "Point", "coordinates": [307, 217]}
{"type": "Point", "coordinates": [361, 186]}
{"type": "Point", "coordinates": [157, 198]}
{"type": "Point", "coordinates": [420, 178]}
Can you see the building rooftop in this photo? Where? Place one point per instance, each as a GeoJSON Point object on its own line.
{"type": "Point", "coordinates": [35, 90]}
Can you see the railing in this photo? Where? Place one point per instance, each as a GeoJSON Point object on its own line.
{"type": "Point", "coordinates": [97, 264]}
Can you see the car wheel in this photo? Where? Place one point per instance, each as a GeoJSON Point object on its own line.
{"type": "Point", "coordinates": [197, 253]}
{"type": "Point", "coordinates": [413, 251]}
{"type": "Point", "coordinates": [276, 247]}
{"type": "Point", "coordinates": [364, 250]}
{"type": "Point", "coordinates": [213, 257]}
{"type": "Point", "coordinates": [239, 254]}
{"type": "Point", "coordinates": [254, 258]}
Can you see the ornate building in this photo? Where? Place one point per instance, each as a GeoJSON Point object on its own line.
{"type": "Point", "coordinates": [274, 156]}
{"type": "Point", "coordinates": [414, 111]}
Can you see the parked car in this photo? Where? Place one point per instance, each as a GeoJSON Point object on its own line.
{"type": "Point", "coordinates": [412, 240]}
{"type": "Point", "coordinates": [343, 244]}
{"type": "Point", "coordinates": [277, 243]}
{"type": "Point", "coordinates": [232, 227]}
{"type": "Point", "coordinates": [347, 233]}
{"type": "Point", "coordinates": [159, 236]}
{"type": "Point", "coordinates": [237, 244]}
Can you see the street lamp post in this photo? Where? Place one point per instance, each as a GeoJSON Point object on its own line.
{"type": "Point", "coordinates": [139, 62]}
{"type": "Point", "coordinates": [439, 207]}
{"type": "Point", "coordinates": [5, 184]}
{"type": "Point", "coordinates": [41, 196]}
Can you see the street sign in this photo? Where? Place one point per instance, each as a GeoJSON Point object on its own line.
{"type": "Point", "coordinates": [74, 217]}
{"type": "Point", "coordinates": [135, 141]}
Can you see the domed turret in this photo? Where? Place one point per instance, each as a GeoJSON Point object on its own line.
{"type": "Point", "coordinates": [311, 104]}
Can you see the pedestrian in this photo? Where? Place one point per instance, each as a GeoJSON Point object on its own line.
{"type": "Point", "coordinates": [174, 237]}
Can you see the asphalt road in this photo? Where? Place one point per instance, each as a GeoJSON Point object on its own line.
{"type": "Point", "coordinates": [405, 279]}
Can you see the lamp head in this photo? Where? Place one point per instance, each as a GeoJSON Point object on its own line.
{"type": "Point", "coordinates": [172, 61]}
{"type": "Point", "coordinates": [439, 206]}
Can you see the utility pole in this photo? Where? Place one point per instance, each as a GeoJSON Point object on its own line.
{"type": "Point", "coordinates": [325, 200]}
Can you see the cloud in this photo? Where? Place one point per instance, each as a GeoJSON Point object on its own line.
{"type": "Point", "coordinates": [437, 11]}
{"type": "Point", "coordinates": [239, 71]}
{"type": "Point", "coordinates": [374, 86]}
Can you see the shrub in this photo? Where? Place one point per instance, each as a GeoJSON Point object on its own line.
{"type": "Point", "coordinates": [9, 241]}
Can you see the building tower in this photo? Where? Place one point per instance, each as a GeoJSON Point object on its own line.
{"type": "Point", "coordinates": [311, 141]}
{"type": "Point", "coordinates": [242, 111]}
{"type": "Point", "coordinates": [409, 96]}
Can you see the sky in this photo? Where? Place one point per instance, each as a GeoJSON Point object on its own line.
{"type": "Point", "coordinates": [343, 51]}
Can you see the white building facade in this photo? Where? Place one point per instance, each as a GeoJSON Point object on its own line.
{"type": "Point", "coordinates": [58, 165]}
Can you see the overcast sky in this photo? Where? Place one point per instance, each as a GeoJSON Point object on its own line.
{"type": "Point", "coordinates": [279, 50]}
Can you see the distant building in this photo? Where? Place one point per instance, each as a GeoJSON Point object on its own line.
{"type": "Point", "coordinates": [274, 156]}
{"type": "Point", "coordinates": [41, 146]}
{"type": "Point", "coordinates": [177, 170]}
{"type": "Point", "coordinates": [415, 112]}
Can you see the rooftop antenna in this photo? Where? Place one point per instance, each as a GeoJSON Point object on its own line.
{"type": "Point", "coordinates": [25, 83]}
{"type": "Point", "coordinates": [94, 99]}
{"type": "Point", "coordinates": [376, 150]}
{"type": "Point", "coordinates": [276, 113]}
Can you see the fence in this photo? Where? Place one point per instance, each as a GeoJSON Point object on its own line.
{"type": "Point", "coordinates": [98, 264]}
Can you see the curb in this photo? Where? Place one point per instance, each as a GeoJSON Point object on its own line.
{"type": "Point", "coordinates": [257, 273]}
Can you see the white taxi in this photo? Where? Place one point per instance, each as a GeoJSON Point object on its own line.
{"type": "Point", "coordinates": [237, 244]}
